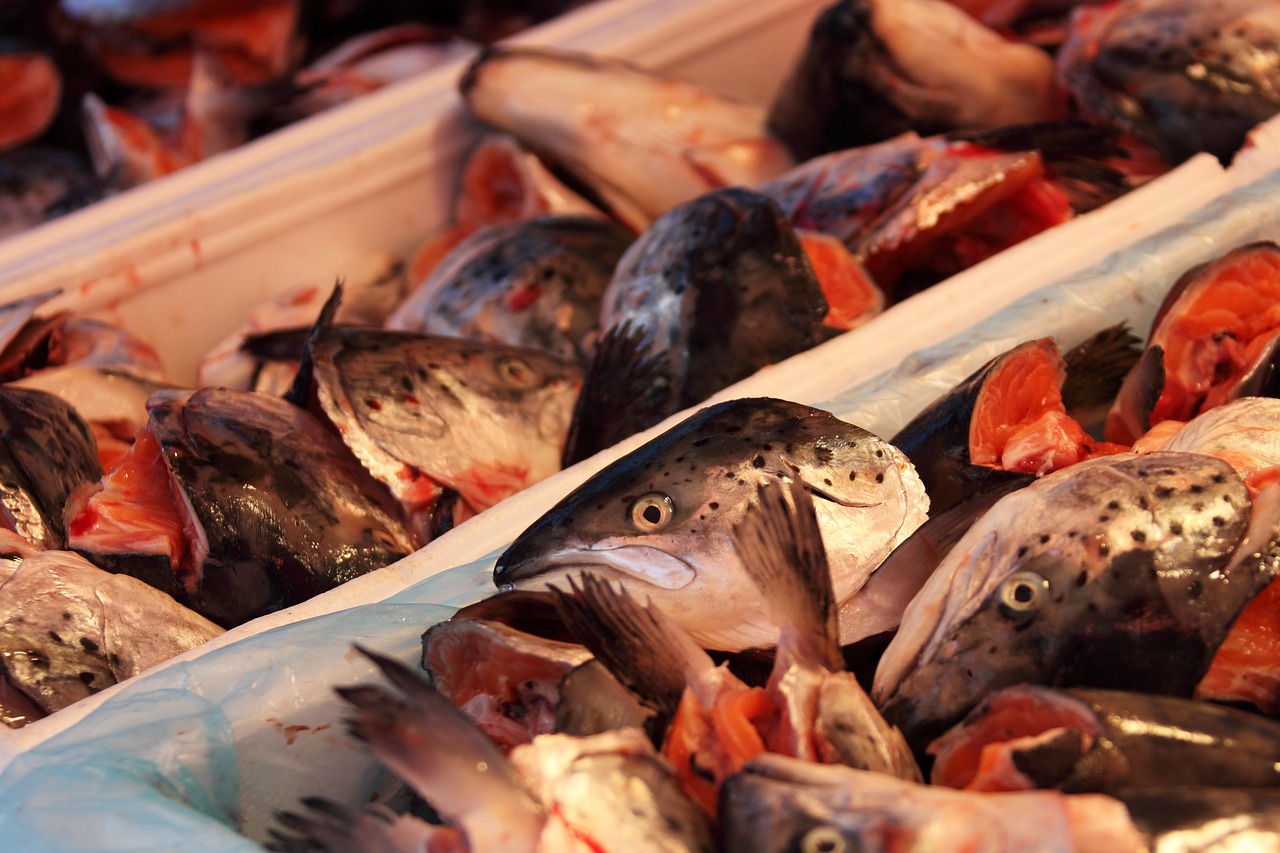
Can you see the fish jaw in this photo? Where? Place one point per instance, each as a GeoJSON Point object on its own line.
{"type": "Point", "coordinates": [721, 610]}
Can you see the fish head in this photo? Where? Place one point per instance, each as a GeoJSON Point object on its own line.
{"type": "Point", "coordinates": [722, 286]}
{"type": "Point", "coordinates": [484, 419]}
{"type": "Point", "coordinates": [1076, 580]}
{"type": "Point", "coordinates": [659, 521]}
{"type": "Point", "coordinates": [778, 803]}
{"type": "Point", "coordinates": [1182, 75]}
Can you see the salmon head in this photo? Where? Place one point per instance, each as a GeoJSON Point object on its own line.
{"type": "Point", "coordinates": [1086, 577]}
{"type": "Point", "coordinates": [1183, 75]}
{"type": "Point", "coordinates": [485, 420]}
{"type": "Point", "coordinates": [659, 521]}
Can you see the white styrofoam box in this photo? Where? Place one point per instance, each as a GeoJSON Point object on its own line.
{"type": "Point", "coordinates": [354, 196]}
{"type": "Point", "coordinates": [181, 260]}
{"type": "Point", "coordinates": [202, 752]}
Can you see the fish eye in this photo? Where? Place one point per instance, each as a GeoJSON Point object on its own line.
{"type": "Point", "coordinates": [823, 839]}
{"type": "Point", "coordinates": [1023, 593]}
{"type": "Point", "coordinates": [652, 512]}
{"type": "Point", "coordinates": [517, 372]}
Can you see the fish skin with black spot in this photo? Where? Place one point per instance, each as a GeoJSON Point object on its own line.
{"type": "Point", "coordinates": [47, 454]}
{"type": "Point", "coordinates": [1184, 76]}
{"type": "Point", "coordinates": [69, 629]}
{"type": "Point", "coordinates": [694, 482]}
{"type": "Point", "coordinates": [720, 286]}
{"type": "Point", "coordinates": [536, 283]}
{"type": "Point", "coordinates": [281, 509]}
{"type": "Point", "coordinates": [1084, 578]}
{"type": "Point", "coordinates": [423, 412]}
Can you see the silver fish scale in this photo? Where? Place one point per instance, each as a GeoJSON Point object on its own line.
{"type": "Point", "coordinates": [1184, 506]}
{"type": "Point", "coordinates": [1171, 503]}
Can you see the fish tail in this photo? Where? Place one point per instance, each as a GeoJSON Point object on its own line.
{"type": "Point", "coordinates": [331, 827]}
{"type": "Point", "coordinates": [644, 649]}
{"type": "Point", "coordinates": [425, 740]}
{"type": "Point", "coordinates": [780, 545]}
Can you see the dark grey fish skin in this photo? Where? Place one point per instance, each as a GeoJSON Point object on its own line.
{"type": "Point", "coordinates": [592, 701]}
{"type": "Point", "coordinates": [660, 519]}
{"type": "Point", "coordinates": [1083, 578]}
{"type": "Point", "coordinates": [284, 511]}
{"type": "Point", "coordinates": [777, 803]}
{"type": "Point", "coordinates": [721, 287]}
{"type": "Point", "coordinates": [1121, 740]}
{"type": "Point", "coordinates": [1206, 820]}
{"type": "Point", "coordinates": [46, 454]}
{"type": "Point", "coordinates": [873, 69]}
{"type": "Point", "coordinates": [38, 183]}
{"type": "Point", "coordinates": [424, 412]}
{"type": "Point", "coordinates": [536, 284]}
{"type": "Point", "coordinates": [1184, 76]}
{"type": "Point", "coordinates": [69, 629]}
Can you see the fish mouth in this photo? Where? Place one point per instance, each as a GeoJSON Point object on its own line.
{"type": "Point", "coordinates": [643, 563]}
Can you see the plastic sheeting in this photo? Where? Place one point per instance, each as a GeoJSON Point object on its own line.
{"type": "Point", "coordinates": [200, 754]}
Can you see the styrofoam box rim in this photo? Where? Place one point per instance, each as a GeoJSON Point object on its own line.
{"type": "Point", "coordinates": [320, 164]}
{"type": "Point", "coordinates": [665, 32]}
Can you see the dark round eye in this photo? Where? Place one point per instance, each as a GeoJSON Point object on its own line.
{"type": "Point", "coordinates": [517, 372]}
{"type": "Point", "coordinates": [652, 512]}
{"type": "Point", "coordinates": [823, 839]}
{"type": "Point", "coordinates": [1023, 593]}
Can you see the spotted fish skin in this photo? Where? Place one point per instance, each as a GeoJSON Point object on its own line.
{"type": "Point", "coordinates": [69, 629]}
{"type": "Point", "coordinates": [660, 519]}
{"type": "Point", "coordinates": [425, 412]}
{"type": "Point", "coordinates": [536, 283]}
{"type": "Point", "coordinates": [1079, 579]}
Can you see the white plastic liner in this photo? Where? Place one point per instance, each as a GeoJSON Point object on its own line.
{"type": "Point", "coordinates": [200, 753]}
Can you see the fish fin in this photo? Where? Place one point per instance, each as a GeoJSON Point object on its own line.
{"type": "Point", "coordinates": [278, 344]}
{"type": "Point", "coordinates": [303, 387]}
{"type": "Point", "coordinates": [1073, 152]}
{"type": "Point", "coordinates": [424, 739]}
{"type": "Point", "coordinates": [780, 546]}
{"type": "Point", "coordinates": [622, 377]}
{"type": "Point", "coordinates": [1096, 369]}
{"type": "Point", "coordinates": [1130, 415]}
{"type": "Point", "coordinates": [1072, 139]}
{"type": "Point", "coordinates": [331, 827]}
{"type": "Point", "coordinates": [643, 647]}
